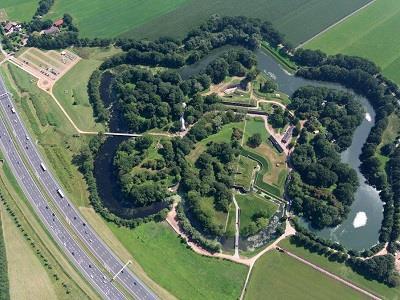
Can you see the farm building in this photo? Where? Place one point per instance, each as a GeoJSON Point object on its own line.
{"type": "Point", "coordinates": [52, 30]}
{"type": "Point", "coordinates": [58, 23]}
{"type": "Point", "coordinates": [11, 27]}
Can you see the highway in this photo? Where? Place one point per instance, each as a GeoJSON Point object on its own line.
{"type": "Point", "coordinates": [65, 207]}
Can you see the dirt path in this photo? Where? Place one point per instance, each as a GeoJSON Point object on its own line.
{"type": "Point", "coordinates": [333, 276]}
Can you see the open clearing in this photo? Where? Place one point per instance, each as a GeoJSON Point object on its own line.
{"type": "Point", "coordinates": [363, 35]}
{"type": "Point", "coordinates": [110, 18]}
{"type": "Point", "coordinates": [275, 171]}
{"type": "Point", "coordinates": [179, 270]}
{"type": "Point", "coordinates": [343, 271]}
{"type": "Point", "coordinates": [71, 89]}
{"type": "Point", "coordinates": [28, 279]}
{"type": "Point", "coordinates": [19, 10]}
{"type": "Point", "coordinates": [251, 204]}
{"type": "Point", "coordinates": [279, 276]}
{"type": "Point", "coordinates": [245, 172]}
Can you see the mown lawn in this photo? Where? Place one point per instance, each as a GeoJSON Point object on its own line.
{"type": "Point", "coordinates": [245, 172]}
{"type": "Point", "coordinates": [372, 33]}
{"type": "Point", "coordinates": [56, 138]}
{"type": "Point", "coordinates": [19, 10]}
{"type": "Point", "coordinates": [178, 269]}
{"type": "Point", "coordinates": [251, 204]}
{"type": "Point", "coordinates": [343, 271]}
{"type": "Point", "coordinates": [279, 276]}
{"type": "Point", "coordinates": [71, 89]}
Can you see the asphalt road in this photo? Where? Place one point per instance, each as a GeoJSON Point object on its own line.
{"type": "Point", "coordinates": [87, 235]}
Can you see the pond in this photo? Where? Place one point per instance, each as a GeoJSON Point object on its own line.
{"type": "Point", "coordinates": [360, 230]}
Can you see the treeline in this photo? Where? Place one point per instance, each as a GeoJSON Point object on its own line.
{"type": "Point", "coordinates": [85, 162]}
{"type": "Point", "coordinates": [4, 286]}
{"type": "Point", "coordinates": [380, 268]}
{"type": "Point", "coordinates": [101, 113]}
{"type": "Point", "coordinates": [332, 117]}
{"type": "Point", "coordinates": [394, 175]}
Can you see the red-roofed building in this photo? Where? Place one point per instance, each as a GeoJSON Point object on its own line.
{"type": "Point", "coordinates": [58, 23]}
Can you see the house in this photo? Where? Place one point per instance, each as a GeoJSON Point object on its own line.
{"type": "Point", "coordinates": [10, 27]}
{"type": "Point", "coordinates": [58, 23]}
{"type": "Point", "coordinates": [52, 30]}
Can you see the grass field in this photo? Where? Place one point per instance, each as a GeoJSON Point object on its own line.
{"type": "Point", "coordinates": [343, 271]}
{"type": "Point", "coordinates": [251, 204]}
{"type": "Point", "coordinates": [275, 170]}
{"type": "Point", "coordinates": [56, 138]}
{"type": "Point", "coordinates": [19, 10]}
{"type": "Point", "coordinates": [245, 172]}
{"type": "Point", "coordinates": [4, 283]}
{"type": "Point", "coordinates": [179, 270]}
{"type": "Point", "coordinates": [372, 33]}
{"type": "Point", "coordinates": [71, 89]}
{"type": "Point", "coordinates": [110, 18]}
{"type": "Point", "coordinates": [28, 278]}
{"type": "Point", "coordinates": [279, 276]}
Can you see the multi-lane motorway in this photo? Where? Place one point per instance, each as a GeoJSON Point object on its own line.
{"type": "Point", "coordinates": [87, 236]}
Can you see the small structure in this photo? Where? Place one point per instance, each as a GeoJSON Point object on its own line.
{"type": "Point", "coordinates": [58, 23]}
{"type": "Point", "coordinates": [11, 27]}
{"type": "Point", "coordinates": [288, 135]}
{"type": "Point", "coordinates": [230, 91]}
{"type": "Point", "coordinates": [183, 126]}
{"type": "Point", "coordinates": [275, 144]}
{"type": "Point", "coordinates": [52, 30]}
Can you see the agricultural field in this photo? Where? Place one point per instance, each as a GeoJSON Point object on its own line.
{"type": "Point", "coordinates": [343, 271]}
{"type": "Point", "coordinates": [298, 20]}
{"type": "Point", "coordinates": [110, 18]}
{"type": "Point", "coordinates": [274, 172]}
{"type": "Point", "coordinates": [71, 89]}
{"type": "Point", "coordinates": [363, 35]}
{"type": "Point", "coordinates": [251, 204]}
{"type": "Point", "coordinates": [152, 19]}
{"type": "Point", "coordinates": [19, 10]}
{"type": "Point", "coordinates": [56, 138]}
{"type": "Point", "coordinates": [279, 276]}
{"type": "Point", "coordinates": [179, 270]}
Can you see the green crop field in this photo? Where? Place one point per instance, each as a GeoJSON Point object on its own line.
{"type": "Point", "coordinates": [299, 20]}
{"type": "Point", "coordinates": [178, 269]}
{"type": "Point", "coordinates": [251, 204]}
{"type": "Point", "coordinates": [19, 10]}
{"type": "Point", "coordinates": [279, 276]}
{"type": "Point", "coordinates": [371, 33]}
{"type": "Point", "coordinates": [343, 271]}
{"type": "Point", "coordinates": [110, 18]}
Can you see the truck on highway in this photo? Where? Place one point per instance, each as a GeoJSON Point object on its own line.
{"type": "Point", "coordinates": [59, 191]}
{"type": "Point", "coordinates": [13, 110]}
{"type": "Point", "coordinates": [43, 167]}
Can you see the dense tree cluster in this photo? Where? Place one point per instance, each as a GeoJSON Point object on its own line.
{"type": "Point", "coordinates": [85, 161]}
{"type": "Point", "coordinates": [44, 7]}
{"type": "Point", "coordinates": [279, 118]}
{"type": "Point", "coordinates": [394, 174]}
{"type": "Point", "coordinates": [338, 112]}
{"type": "Point", "coordinates": [316, 160]}
{"type": "Point", "coordinates": [154, 101]}
{"type": "Point", "coordinates": [64, 40]}
{"type": "Point", "coordinates": [100, 111]}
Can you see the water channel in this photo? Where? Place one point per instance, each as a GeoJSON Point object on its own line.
{"type": "Point", "coordinates": [361, 228]}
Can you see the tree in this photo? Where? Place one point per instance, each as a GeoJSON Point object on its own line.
{"type": "Point", "coordinates": [255, 140]}
{"type": "Point", "coordinates": [269, 86]}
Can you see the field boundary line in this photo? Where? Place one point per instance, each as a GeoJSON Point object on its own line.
{"type": "Point", "coordinates": [333, 276]}
{"type": "Point", "coordinates": [333, 25]}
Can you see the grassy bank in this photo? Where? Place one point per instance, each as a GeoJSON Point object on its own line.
{"type": "Point", "coordinates": [178, 269]}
